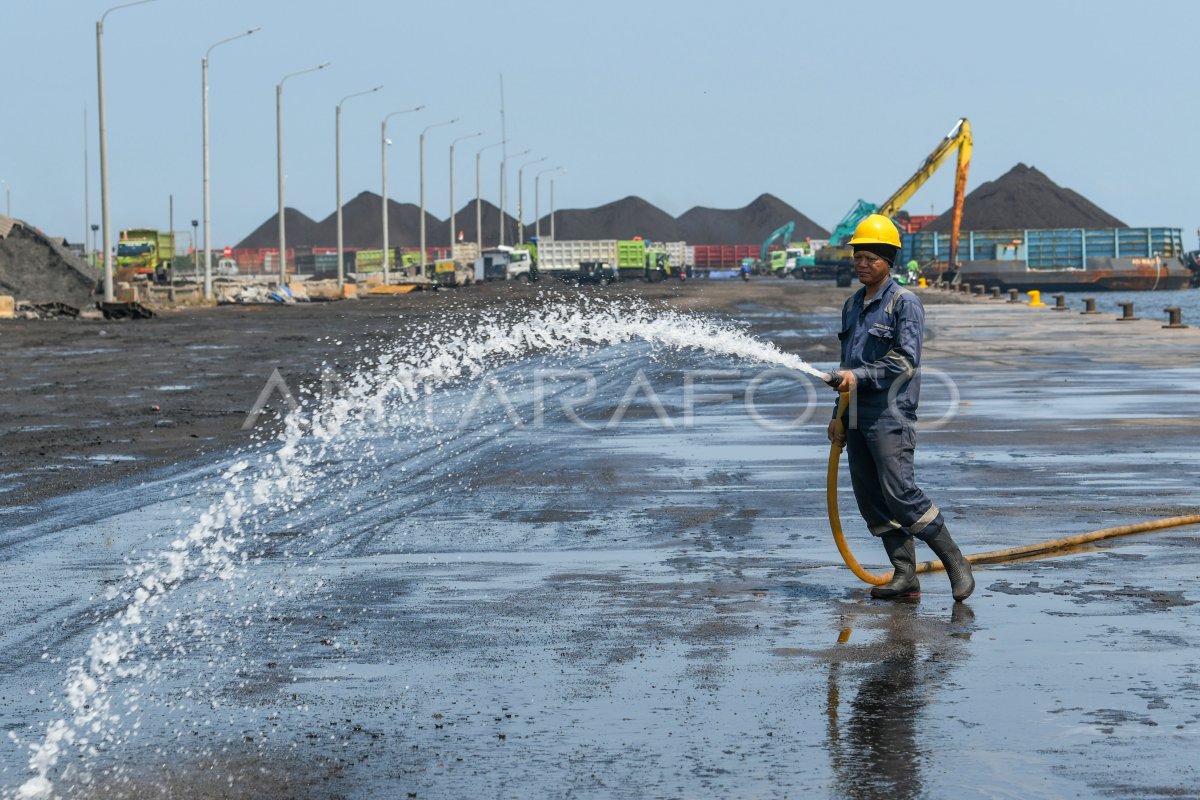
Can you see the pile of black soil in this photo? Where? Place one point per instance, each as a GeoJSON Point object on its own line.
{"type": "Point", "coordinates": [1025, 198]}
{"type": "Point", "coordinates": [37, 269]}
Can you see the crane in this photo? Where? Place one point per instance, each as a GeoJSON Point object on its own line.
{"type": "Point", "coordinates": [837, 254]}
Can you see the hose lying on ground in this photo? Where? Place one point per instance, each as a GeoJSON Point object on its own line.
{"type": "Point", "coordinates": [993, 557]}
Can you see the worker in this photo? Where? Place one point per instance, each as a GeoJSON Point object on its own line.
{"type": "Point", "coordinates": [914, 270]}
{"type": "Point", "coordinates": [882, 327]}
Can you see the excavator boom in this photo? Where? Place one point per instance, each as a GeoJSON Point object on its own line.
{"type": "Point", "coordinates": [959, 138]}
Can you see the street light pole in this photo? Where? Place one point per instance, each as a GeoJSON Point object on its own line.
{"type": "Point", "coordinates": [104, 215]}
{"type": "Point", "coordinates": [208, 289]}
{"type": "Point", "coordinates": [383, 146]}
{"type": "Point", "coordinates": [337, 145]}
{"type": "Point", "coordinates": [453, 237]}
{"type": "Point", "coordinates": [421, 148]}
{"type": "Point", "coordinates": [537, 200]}
{"type": "Point", "coordinates": [479, 197]}
{"type": "Point", "coordinates": [521, 197]}
{"type": "Point", "coordinates": [279, 166]}
{"type": "Point", "coordinates": [503, 162]}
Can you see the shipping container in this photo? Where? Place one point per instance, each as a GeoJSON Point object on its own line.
{"type": "Point", "coordinates": [1055, 248]}
{"type": "Point", "coordinates": [723, 256]}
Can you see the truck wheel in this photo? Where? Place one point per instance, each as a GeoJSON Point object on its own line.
{"type": "Point", "coordinates": [843, 279]}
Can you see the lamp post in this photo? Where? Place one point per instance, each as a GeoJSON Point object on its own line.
{"type": "Point", "coordinates": [537, 200]}
{"type": "Point", "coordinates": [207, 195]}
{"type": "Point", "coordinates": [503, 162]}
{"type": "Point", "coordinates": [479, 197]}
{"type": "Point", "coordinates": [104, 215]}
{"type": "Point", "coordinates": [279, 165]}
{"type": "Point", "coordinates": [92, 249]}
{"type": "Point", "coordinates": [456, 141]}
{"type": "Point", "coordinates": [521, 197]}
{"type": "Point", "coordinates": [384, 141]}
{"type": "Point", "coordinates": [337, 146]}
{"type": "Point", "coordinates": [421, 155]}
{"type": "Point", "coordinates": [552, 209]}
{"type": "Point", "coordinates": [195, 252]}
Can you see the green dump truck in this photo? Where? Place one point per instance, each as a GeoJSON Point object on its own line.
{"type": "Point", "coordinates": [637, 260]}
{"type": "Point", "coordinates": [142, 251]}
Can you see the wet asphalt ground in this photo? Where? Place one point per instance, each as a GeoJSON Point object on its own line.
{"type": "Point", "coordinates": [655, 608]}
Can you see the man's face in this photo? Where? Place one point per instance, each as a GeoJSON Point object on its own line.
{"type": "Point", "coordinates": [870, 268]}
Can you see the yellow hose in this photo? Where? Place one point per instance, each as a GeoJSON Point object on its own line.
{"type": "Point", "coordinates": [992, 557]}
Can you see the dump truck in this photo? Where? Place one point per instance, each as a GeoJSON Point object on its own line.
{"type": "Point", "coordinates": [505, 263]}
{"type": "Point", "coordinates": [448, 272]}
{"type": "Point", "coordinates": [144, 252]}
{"type": "Point", "coordinates": [563, 258]}
{"type": "Point", "coordinates": [637, 260]}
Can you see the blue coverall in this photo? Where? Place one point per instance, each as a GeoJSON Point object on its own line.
{"type": "Point", "coordinates": [881, 345]}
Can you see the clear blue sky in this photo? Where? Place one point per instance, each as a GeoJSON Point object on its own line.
{"type": "Point", "coordinates": [683, 103]}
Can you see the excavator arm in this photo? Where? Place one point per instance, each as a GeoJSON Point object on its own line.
{"type": "Point", "coordinates": [959, 138]}
{"type": "Point", "coordinates": [782, 234]}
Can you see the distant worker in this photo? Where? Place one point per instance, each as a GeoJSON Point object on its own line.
{"type": "Point", "coordinates": [883, 325]}
{"type": "Point", "coordinates": [914, 270]}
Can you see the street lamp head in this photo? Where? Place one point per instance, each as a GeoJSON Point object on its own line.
{"type": "Point", "coordinates": [357, 94]}
{"type": "Point", "coordinates": [303, 72]}
{"type": "Point", "coordinates": [229, 39]}
{"type": "Point", "coordinates": [122, 5]}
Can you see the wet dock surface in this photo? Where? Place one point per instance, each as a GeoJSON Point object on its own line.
{"type": "Point", "coordinates": [655, 608]}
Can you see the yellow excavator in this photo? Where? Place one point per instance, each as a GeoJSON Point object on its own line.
{"type": "Point", "coordinates": [835, 258]}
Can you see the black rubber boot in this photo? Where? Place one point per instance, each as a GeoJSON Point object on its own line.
{"type": "Point", "coordinates": [937, 536]}
{"type": "Point", "coordinates": [903, 554]}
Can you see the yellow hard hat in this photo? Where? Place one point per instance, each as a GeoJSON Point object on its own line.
{"type": "Point", "coordinates": [876, 229]}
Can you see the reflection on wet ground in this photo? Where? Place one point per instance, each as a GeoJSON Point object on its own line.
{"type": "Point", "coordinates": [655, 610]}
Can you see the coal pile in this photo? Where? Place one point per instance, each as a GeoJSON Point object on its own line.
{"type": "Point", "coordinates": [1025, 198]}
{"type": "Point", "coordinates": [747, 225]}
{"type": "Point", "coordinates": [464, 220]}
{"type": "Point", "coordinates": [301, 230]}
{"type": "Point", "coordinates": [362, 224]}
{"type": "Point", "coordinates": [620, 219]}
{"type": "Point", "coordinates": [37, 269]}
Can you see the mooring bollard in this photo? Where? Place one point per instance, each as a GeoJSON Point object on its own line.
{"type": "Point", "coordinates": [964, 288]}
{"type": "Point", "coordinates": [979, 289]}
{"type": "Point", "coordinates": [1035, 299]}
{"type": "Point", "coordinates": [1089, 306]}
{"type": "Point", "coordinates": [1126, 312]}
{"type": "Point", "coordinates": [1060, 302]}
{"type": "Point", "coordinates": [1013, 294]}
{"type": "Point", "coordinates": [995, 290]}
{"type": "Point", "coordinates": [1174, 317]}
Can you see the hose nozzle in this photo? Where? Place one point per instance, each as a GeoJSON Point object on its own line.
{"type": "Point", "coordinates": [832, 379]}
